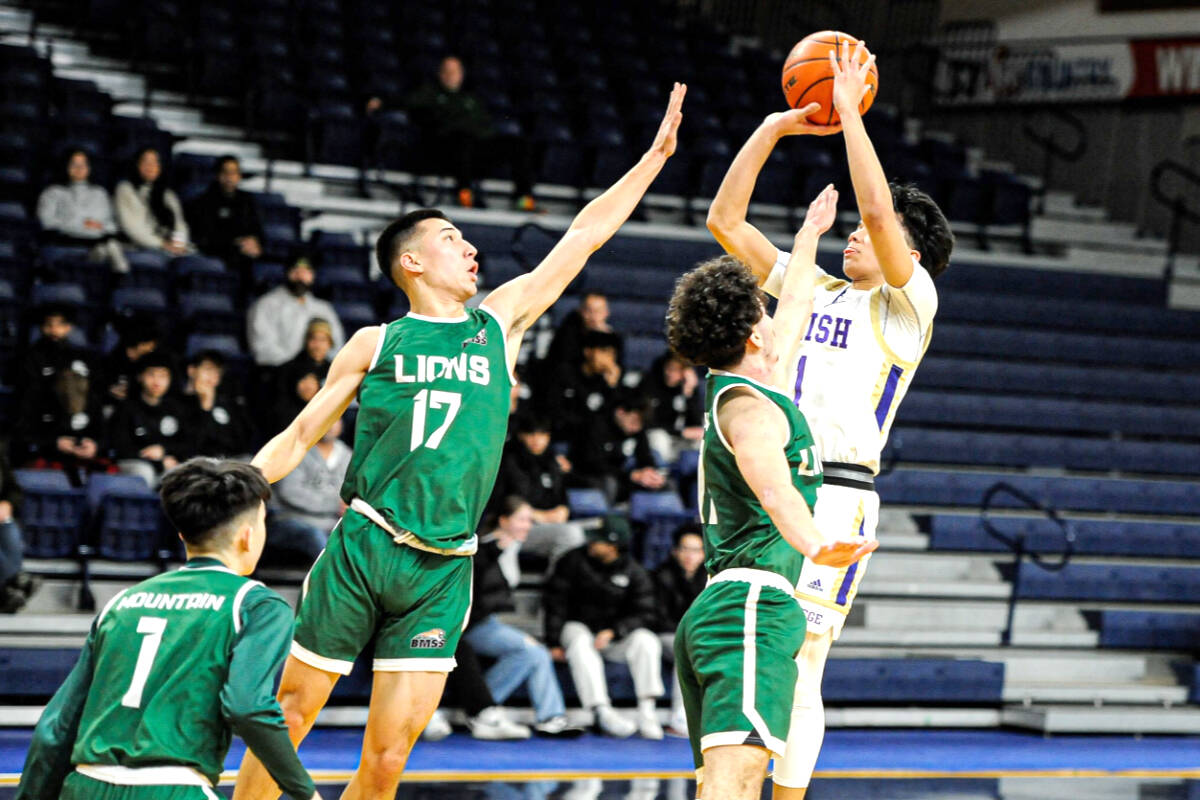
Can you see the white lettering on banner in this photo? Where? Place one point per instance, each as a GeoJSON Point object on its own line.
{"type": "Point", "coordinates": [1178, 69]}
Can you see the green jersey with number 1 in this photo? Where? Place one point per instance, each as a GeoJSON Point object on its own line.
{"type": "Point", "coordinates": [737, 530]}
{"type": "Point", "coordinates": [432, 418]}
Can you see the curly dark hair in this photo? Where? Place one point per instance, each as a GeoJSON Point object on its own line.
{"type": "Point", "coordinates": [712, 312]}
{"type": "Point", "coordinates": [925, 226]}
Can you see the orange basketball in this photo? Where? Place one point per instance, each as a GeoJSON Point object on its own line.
{"type": "Point", "coordinates": [808, 78]}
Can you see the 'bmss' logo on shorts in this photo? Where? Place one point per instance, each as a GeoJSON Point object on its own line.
{"type": "Point", "coordinates": [429, 640]}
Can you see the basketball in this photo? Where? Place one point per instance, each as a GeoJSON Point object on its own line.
{"type": "Point", "coordinates": [808, 76]}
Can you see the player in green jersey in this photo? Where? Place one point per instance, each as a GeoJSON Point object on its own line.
{"type": "Point", "coordinates": [736, 646]}
{"type": "Point", "coordinates": [175, 665]}
{"type": "Point", "coordinates": [433, 390]}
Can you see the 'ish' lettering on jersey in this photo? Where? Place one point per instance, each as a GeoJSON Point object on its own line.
{"type": "Point", "coordinates": [824, 328]}
{"type": "Point", "coordinates": [464, 367]}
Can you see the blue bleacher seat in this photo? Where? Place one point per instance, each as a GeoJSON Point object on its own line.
{"type": "Point", "coordinates": [1149, 630]}
{"type": "Point", "coordinates": [586, 503]}
{"type": "Point", "coordinates": [224, 344]}
{"type": "Point", "coordinates": [865, 680]}
{"type": "Point", "coordinates": [52, 514]}
{"type": "Point", "coordinates": [658, 514]}
{"type": "Point", "coordinates": [126, 518]}
{"type": "Point", "coordinates": [139, 299]}
{"type": "Point", "coordinates": [1122, 582]}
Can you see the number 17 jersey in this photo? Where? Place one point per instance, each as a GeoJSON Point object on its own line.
{"type": "Point", "coordinates": [432, 419]}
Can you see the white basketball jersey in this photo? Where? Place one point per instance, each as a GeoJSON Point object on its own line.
{"type": "Point", "coordinates": [858, 358]}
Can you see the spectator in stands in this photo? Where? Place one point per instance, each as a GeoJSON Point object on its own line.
{"type": "Point", "coordinates": [216, 421]}
{"type": "Point", "coordinates": [530, 470]}
{"type": "Point", "coordinates": [677, 582]}
{"type": "Point", "coordinates": [567, 345]}
{"type": "Point", "coordinates": [149, 210]}
{"type": "Point", "coordinates": [582, 392]}
{"type": "Point", "coordinates": [277, 322]}
{"type": "Point", "coordinates": [299, 379]}
{"type": "Point", "coordinates": [520, 659]}
{"type": "Point", "coordinates": [146, 431]}
{"type": "Point", "coordinates": [16, 586]}
{"type": "Point", "coordinates": [676, 406]}
{"type": "Point", "coordinates": [612, 453]}
{"type": "Point", "coordinates": [600, 606]}
{"type": "Point", "coordinates": [77, 213]}
{"type": "Point", "coordinates": [225, 219]}
{"type": "Point", "coordinates": [455, 129]}
{"type": "Point", "coordinates": [137, 335]}
{"type": "Point", "coordinates": [59, 422]}
{"type": "Point", "coordinates": [307, 502]}
{"type": "Point", "coordinates": [467, 689]}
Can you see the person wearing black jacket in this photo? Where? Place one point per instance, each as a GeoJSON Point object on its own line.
{"type": "Point", "coordinates": [216, 424]}
{"type": "Point", "coordinates": [520, 659]}
{"type": "Point", "coordinates": [675, 396]}
{"type": "Point", "coordinates": [15, 585]}
{"type": "Point", "coordinates": [677, 582]}
{"type": "Point", "coordinates": [612, 453]}
{"type": "Point", "coordinates": [600, 606]}
{"type": "Point", "coordinates": [225, 221]}
{"type": "Point", "coordinates": [146, 431]}
{"type": "Point", "coordinates": [59, 422]}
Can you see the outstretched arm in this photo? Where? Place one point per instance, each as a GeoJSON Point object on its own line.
{"type": "Point", "coordinates": [758, 432]}
{"type": "Point", "coordinates": [727, 216]}
{"type": "Point", "coordinates": [522, 300]}
{"type": "Point", "coordinates": [284, 453]}
{"type": "Point", "coordinates": [796, 297]}
{"type": "Point", "coordinates": [870, 183]}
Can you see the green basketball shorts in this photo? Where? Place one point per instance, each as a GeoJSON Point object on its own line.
{"type": "Point", "coordinates": [81, 787]}
{"type": "Point", "coordinates": [735, 654]}
{"type": "Point", "coordinates": [365, 587]}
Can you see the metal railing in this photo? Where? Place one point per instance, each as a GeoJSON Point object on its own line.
{"type": "Point", "coordinates": [1016, 543]}
{"type": "Point", "coordinates": [1071, 148]}
{"type": "Point", "coordinates": [1160, 179]}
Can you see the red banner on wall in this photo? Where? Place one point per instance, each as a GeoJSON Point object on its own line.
{"type": "Point", "coordinates": [1165, 67]}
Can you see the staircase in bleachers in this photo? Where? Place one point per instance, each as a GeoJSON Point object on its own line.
{"type": "Point", "coordinates": [1064, 374]}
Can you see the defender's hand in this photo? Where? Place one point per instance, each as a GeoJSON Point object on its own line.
{"type": "Point", "coordinates": [822, 211]}
{"type": "Point", "coordinates": [850, 74]}
{"type": "Point", "coordinates": [667, 136]}
{"type": "Point", "coordinates": [795, 123]}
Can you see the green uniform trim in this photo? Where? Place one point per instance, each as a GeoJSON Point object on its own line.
{"type": "Point", "coordinates": [188, 657]}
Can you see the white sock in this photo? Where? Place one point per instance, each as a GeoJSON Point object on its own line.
{"type": "Point", "coordinates": [647, 706]}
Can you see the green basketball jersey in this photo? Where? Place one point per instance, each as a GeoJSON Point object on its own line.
{"type": "Point", "coordinates": [162, 652]}
{"type": "Point", "coordinates": [737, 531]}
{"type": "Point", "coordinates": [432, 418]}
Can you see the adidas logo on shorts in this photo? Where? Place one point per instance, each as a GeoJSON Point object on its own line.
{"type": "Point", "coordinates": [429, 640]}
{"type": "Point", "coordinates": [815, 584]}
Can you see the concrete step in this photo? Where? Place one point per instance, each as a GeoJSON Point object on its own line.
{"type": "Point", "coordinates": [966, 615]}
{"type": "Point", "coordinates": [951, 640]}
{"type": "Point", "coordinates": [1147, 263]}
{"type": "Point", "coordinates": [1031, 666]}
{"type": "Point", "coordinates": [1064, 206]}
{"type": "Point", "coordinates": [934, 566]}
{"type": "Point", "coordinates": [216, 146]}
{"type": "Point", "coordinates": [1098, 694]}
{"type": "Point", "coordinates": [1107, 719]}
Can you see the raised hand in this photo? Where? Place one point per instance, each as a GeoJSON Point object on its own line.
{"type": "Point", "coordinates": [850, 74]}
{"type": "Point", "coordinates": [668, 132]}
{"type": "Point", "coordinates": [843, 553]}
{"type": "Point", "coordinates": [822, 211]}
{"type": "Point", "coordinates": [795, 122]}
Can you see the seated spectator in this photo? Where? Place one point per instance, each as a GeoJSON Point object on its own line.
{"type": "Point", "coordinates": [16, 586]}
{"type": "Point", "coordinates": [277, 322]}
{"type": "Point", "coordinates": [581, 392]}
{"type": "Point", "coordinates": [148, 210]}
{"type": "Point", "coordinates": [455, 129]}
{"type": "Point", "coordinates": [137, 335]}
{"type": "Point", "coordinates": [677, 582]}
{"type": "Point", "coordinates": [307, 502]}
{"type": "Point", "coordinates": [467, 689]}
{"type": "Point", "coordinates": [613, 453]}
{"type": "Point", "coordinates": [567, 345]}
{"type": "Point", "coordinates": [59, 421]}
{"type": "Point", "coordinates": [146, 431]}
{"type": "Point", "coordinates": [77, 213]}
{"type": "Point", "coordinates": [600, 606]}
{"type": "Point", "coordinates": [299, 379]}
{"type": "Point", "coordinates": [528, 469]}
{"type": "Point", "coordinates": [676, 406]}
{"type": "Point", "coordinates": [521, 660]}
{"type": "Point", "coordinates": [216, 421]}
{"type": "Point", "coordinates": [225, 220]}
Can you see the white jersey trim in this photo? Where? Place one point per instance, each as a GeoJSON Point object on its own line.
{"type": "Point", "coordinates": [143, 776]}
{"type": "Point", "coordinates": [378, 346]}
{"type": "Point", "coordinates": [716, 418]}
{"type": "Point", "coordinates": [503, 323]}
{"type": "Point", "coordinates": [237, 604]}
{"type": "Point", "coordinates": [109, 604]}
{"type": "Point", "coordinates": [440, 320]}
{"type": "Point", "coordinates": [414, 664]}
{"type": "Point", "coordinates": [321, 662]}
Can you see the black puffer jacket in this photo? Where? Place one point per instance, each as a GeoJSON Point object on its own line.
{"type": "Point", "coordinates": [619, 595]}
{"type": "Point", "coordinates": [492, 594]}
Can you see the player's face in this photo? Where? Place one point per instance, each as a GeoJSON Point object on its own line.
{"type": "Point", "coordinates": [448, 260]}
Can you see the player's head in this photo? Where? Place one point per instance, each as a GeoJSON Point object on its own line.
{"type": "Point", "coordinates": [423, 249]}
{"type": "Point", "coordinates": [219, 508]}
{"type": "Point", "coordinates": [717, 316]}
{"type": "Point", "coordinates": [925, 229]}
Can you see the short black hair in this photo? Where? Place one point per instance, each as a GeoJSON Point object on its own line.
{"type": "Point", "coordinates": [532, 423]}
{"type": "Point", "coordinates": [926, 227]}
{"type": "Point", "coordinates": [632, 400]}
{"type": "Point", "coordinates": [599, 339]}
{"type": "Point", "coordinates": [155, 358]}
{"type": "Point", "coordinates": [712, 312]}
{"type": "Point", "coordinates": [56, 310]}
{"type": "Point", "coordinates": [225, 159]}
{"type": "Point", "coordinates": [689, 528]}
{"type": "Point", "coordinates": [203, 495]}
{"type": "Point", "coordinates": [213, 356]}
{"type": "Point", "coordinates": [398, 236]}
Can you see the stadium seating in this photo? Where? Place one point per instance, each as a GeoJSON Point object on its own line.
{"type": "Point", "coordinates": [887, 680]}
{"type": "Point", "coordinates": [1092, 537]}
{"type": "Point", "coordinates": [1149, 630]}
{"type": "Point", "coordinates": [1152, 584]}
